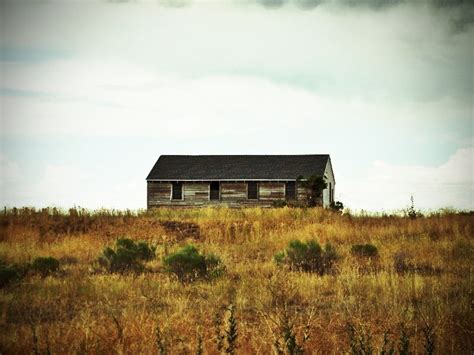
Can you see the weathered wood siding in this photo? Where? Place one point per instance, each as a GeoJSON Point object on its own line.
{"type": "Point", "coordinates": [194, 191]}
{"type": "Point", "coordinates": [329, 179]}
{"type": "Point", "coordinates": [233, 194]}
{"type": "Point", "coordinates": [301, 192]}
{"type": "Point", "coordinates": [158, 192]}
{"type": "Point", "coordinates": [271, 191]}
{"type": "Point", "coordinates": [233, 191]}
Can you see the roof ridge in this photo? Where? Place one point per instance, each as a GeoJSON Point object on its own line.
{"type": "Point", "coordinates": [241, 155]}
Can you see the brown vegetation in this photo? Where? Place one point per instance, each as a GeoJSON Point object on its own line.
{"type": "Point", "coordinates": [416, 294]}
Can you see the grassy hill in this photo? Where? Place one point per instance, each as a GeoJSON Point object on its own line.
{"type": "Point", "coordinates": [415, 292]}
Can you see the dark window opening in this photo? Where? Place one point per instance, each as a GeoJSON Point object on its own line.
{"type": "Point", "coordinates": [252, 190]}
{"type": "Point", "coordinates": [290, 190]}
{"type": "Point", "coordinates": [214, 193]}
{"type": "Point", "coordinates": [177, 193]}
{"type": "Point", "coordinates": [330, 193]}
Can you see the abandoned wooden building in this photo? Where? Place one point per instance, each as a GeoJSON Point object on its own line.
{"type": "Point", "coordinates": [235, 180]}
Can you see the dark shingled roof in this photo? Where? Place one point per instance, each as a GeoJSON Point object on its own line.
{"type": "Point", "coordinates": [238, 167]}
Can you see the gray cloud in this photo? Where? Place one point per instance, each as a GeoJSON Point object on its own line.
{"type": "Point", "coordinates": [166, 3]}
{"type": "Point", "coordinates": [311, 4]}
{"type": "Point", "coordinates": [272, 4]}
{"type": "Point", "coordinates": [308, 4]}
{"type": "Point", "coordinates": [460, 12]}
{"type": "Point", "coordinates": [15, 54]}
{"type": "Point", "coordinates": [372, 4]}
{"type": "Point", "coordinates": [175, 3]}
{"type": "Point", "coordinates": [450, 3]}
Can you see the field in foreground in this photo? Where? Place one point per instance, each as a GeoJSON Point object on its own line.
{"type": "Point", "coordinates": [415, 295]}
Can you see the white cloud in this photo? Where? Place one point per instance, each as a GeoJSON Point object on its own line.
{"type": "Point", "coordinates": [64, 174]}
{"type": "Point", "coordinates": [389, 186]}
{"type": "Point", "coordinates": [406, 51]}
{"type": "Point", "coordinates": [9, 170]}
{"type": "Point", "coordinates": [61, 185]}
{"type": "Point", "coordinates": [238, 78]}
{"type": "Point", "coordinates": [69, 185]}
{"type": "Point", "coordinates": [10, 173]}
{"type": "Point", "coordinates": [457, 170]}
{"type": "Point", "coordinates": [386, 186]}
{"type": "Point", "coordinates": [90, 98]}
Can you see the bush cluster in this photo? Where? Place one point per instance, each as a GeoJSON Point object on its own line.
{"type": "Point", "coordinates": [308, 257]}
{"type": "Point", "coordinates": [364, 250]}
{"type": "Point", "coordinates": [8, 273]}
{"type": "Point", "coordinates": [279, 203]}
{"type": "Point", "coordinates": [128, 256]}
{"type": "Point", "coordinates": [315, 184]}
{"type": "Point", "coordinates": [188, 264]}
{"type": "Point", "coordinates": [337, 206]}
{"type": "Point", "coordinates": [42, 266]}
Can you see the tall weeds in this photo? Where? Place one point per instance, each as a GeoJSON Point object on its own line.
{"type": "Point", "coordinates": [421, 277]}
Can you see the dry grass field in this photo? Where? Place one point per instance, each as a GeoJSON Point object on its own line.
{"type": "Point", "coordinates": [416, 296]}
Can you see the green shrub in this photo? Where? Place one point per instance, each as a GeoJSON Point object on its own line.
{"type": "Point", "coordinates": [308, 257]}
{"type": "Point", "coordinates": [280, 257]}
{"type": "Point", "coordinates": [189, 265]}
{"type": "Point", "coordinates": [364, 250]}
{"type": "Point", "coordinates": [128, 256]}
{"type": "Point", "coordinates": [8, 273]}
{"type": "Point", "coordinates": [315, 184]}
{"type": "Point", "coordinates": [337, 206]}
{"type": "Point", "coordinates": [44, 265]}
{"type": "Point", "coordinates": [279, 203]}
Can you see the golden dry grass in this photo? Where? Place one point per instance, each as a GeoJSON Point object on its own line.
{"type": "Point", "coordinates": [82, 311]}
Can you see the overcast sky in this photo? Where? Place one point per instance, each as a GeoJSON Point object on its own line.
{"type": "Point", "coordinates": [93, 92]}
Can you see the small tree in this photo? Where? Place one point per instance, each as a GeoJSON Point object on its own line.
{"type": "Point", "coordinates": [315, 184]}
{"type": "Point", "coordinates": [411, 212]}
{"type": "Point", "coordinates": [411, 209]}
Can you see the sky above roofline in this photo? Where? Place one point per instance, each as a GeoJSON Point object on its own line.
{"type": "Point", "coordinates": [94, 92]}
